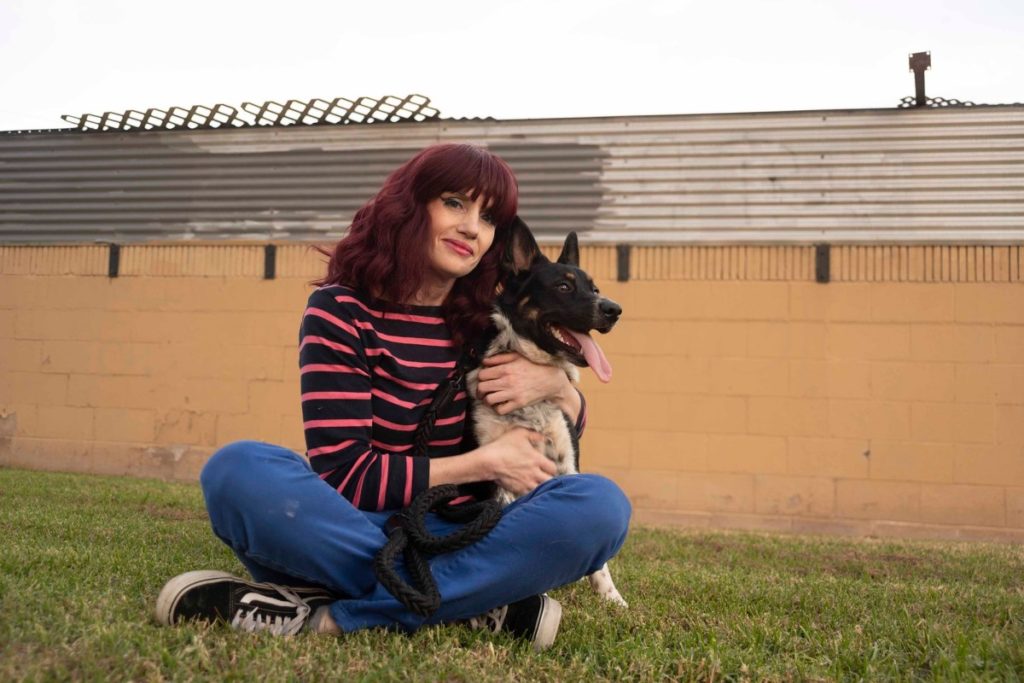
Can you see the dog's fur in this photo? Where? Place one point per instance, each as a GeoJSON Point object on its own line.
{"type": "Point", "coordinates": [537, 297]}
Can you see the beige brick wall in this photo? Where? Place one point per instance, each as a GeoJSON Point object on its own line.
{"type": "Point", "coordinates": [889, 401]}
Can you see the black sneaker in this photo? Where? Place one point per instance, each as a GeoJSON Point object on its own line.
{"type": "Point", "coordinates": [534, 619]}
{"type": "Point", "coordinates": [211, 595]}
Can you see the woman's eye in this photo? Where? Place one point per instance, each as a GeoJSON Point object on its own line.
{"type": "Point", "coordinates": [486, 217]}
{"type": "Point", "coordinates": [452, 203]}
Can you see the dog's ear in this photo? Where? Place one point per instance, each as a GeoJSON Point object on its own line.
{"type": "Point", "coordinates": [570, 255]}
{"type": "Point", "coordinates": [522, 251]}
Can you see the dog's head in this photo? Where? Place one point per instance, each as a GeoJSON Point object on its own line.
{"type": "Point", "coordinates": [555, 305]}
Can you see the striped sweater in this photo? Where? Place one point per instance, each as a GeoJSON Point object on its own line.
{"type": "Point", "coordinates": [368, 372]}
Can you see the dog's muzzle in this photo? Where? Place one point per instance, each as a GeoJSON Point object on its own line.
{"type": "Point", "coordinates": [608, 312]}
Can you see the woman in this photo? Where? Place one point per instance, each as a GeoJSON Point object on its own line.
{"type": "Point", "coordinates": [411, 282]}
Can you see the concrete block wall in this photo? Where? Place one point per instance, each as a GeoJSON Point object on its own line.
{"type": "Point", "coordinates": [147, 373]}
{"type": "Point", "coordinates": [888, 401]}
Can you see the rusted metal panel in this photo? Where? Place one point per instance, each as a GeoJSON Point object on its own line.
{"type": "Point", "coordinates": [53, 260]}
{"type": "Point", "coordinates": [929, 263]}
{"type": "Point", "coordinates": [173, 260]}
{"type": "Point", "coordinates": [923, 176]}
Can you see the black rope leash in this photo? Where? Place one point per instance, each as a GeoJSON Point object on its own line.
{"type": "Point", "coordinates": [408, 536]}
{"type": "Point", "coordinates": [407, 530]}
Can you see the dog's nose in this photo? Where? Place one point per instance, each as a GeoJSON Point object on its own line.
{"type": "Point", "coordinates": [609, 310]}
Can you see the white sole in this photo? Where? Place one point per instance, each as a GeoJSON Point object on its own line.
{"type": "Point", "coordinates": [547, 626]}
{"type": "Point", "coordinates": [174, 589]}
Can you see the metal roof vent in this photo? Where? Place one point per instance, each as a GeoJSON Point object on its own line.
{"type": "Point", "coordinates": [919, 63]}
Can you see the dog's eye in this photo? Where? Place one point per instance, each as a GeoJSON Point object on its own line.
{"type": "Point", "coordinates": [596, 290]}
{"type": "Point", "coordinates": [564, 287]}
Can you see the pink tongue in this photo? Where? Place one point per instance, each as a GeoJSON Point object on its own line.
{"type": "Point", "coordinates": [595, 357]}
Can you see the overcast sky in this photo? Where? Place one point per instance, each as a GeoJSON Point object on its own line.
{"type": "Point", "coordinates": [527, 59]}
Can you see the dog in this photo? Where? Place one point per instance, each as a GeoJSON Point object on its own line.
{"type": "Point", "coordinates": [545, 312]}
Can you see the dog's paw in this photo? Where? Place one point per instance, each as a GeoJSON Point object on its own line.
{"type": "Point", "coordinates": [601, 582]}
{"type": "Point", "coordinates": [616, 599]}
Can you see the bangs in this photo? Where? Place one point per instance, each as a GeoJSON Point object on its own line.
{"type": "Point", "coordinates": [497, 185]}
{"type": "Point", "coordinates": [475, 171]}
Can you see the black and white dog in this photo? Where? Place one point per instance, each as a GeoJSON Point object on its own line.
{"type": "Point", "coordinates": [545, 312]}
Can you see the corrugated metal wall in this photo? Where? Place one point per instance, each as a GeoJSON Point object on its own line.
{"type": "Point", "coordinates": [937, 175]}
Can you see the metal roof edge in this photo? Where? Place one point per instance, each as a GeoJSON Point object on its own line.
{"type": "Point", "coordinates": [740, 114]}
{"type": "Point", "coordinates": [896, 111]}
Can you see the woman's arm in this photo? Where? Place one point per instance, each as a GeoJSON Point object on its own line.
{"type": "Point", "coordinates": [338, 418]}
{"type": "Point", "coordinates": [508, 381]}
{"type": "Point", "coordinates": [515, 461]}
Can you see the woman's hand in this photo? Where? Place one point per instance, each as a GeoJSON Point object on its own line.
{"type": "Point", "coordinates": [508, 381]}
{"type": "Point", "coordinates": [515, 460]}
{"type": "Point", "coordinates": [518, 462]}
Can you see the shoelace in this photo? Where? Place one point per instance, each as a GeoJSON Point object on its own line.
{"type": "Point", "coordinates": [491, 621]}
{"type": "Point", "coordinates": [256, 620]}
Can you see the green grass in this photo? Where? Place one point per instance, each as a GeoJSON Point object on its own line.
{"type": "Point", "coordinates": [82, 559]}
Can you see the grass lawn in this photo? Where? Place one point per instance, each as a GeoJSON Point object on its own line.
{"type": "Point", "coordinates": [82, 559]}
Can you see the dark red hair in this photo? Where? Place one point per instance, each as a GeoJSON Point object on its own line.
{"type": "Point", "coordinates": [384, 252]}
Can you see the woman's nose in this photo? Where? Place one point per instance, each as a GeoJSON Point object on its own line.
{"type": "Point", "coordinates": [470, 224]}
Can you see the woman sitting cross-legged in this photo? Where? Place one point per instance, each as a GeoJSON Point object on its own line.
{"type": "Point", "coordinates": [409, 285]}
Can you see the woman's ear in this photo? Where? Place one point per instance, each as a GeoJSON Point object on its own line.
{"type": "Point", "coordinates": [522, 251]}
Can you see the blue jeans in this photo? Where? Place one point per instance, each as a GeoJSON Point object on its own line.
{"type": "Point", "coordinates": [289, 527]}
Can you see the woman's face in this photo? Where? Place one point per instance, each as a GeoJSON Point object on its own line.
{"type": "Point", "coordinates": [461, 232]}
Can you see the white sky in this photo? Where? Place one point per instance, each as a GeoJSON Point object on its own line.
{"type": "Point", "coordinates": [512, 59]}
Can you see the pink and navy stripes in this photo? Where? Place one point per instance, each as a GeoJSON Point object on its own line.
{"type": "Point", "coordinates": [368, 372]}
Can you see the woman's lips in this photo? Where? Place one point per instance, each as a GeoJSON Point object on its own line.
{"type": "Point", "coordinates": [459, 248]}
